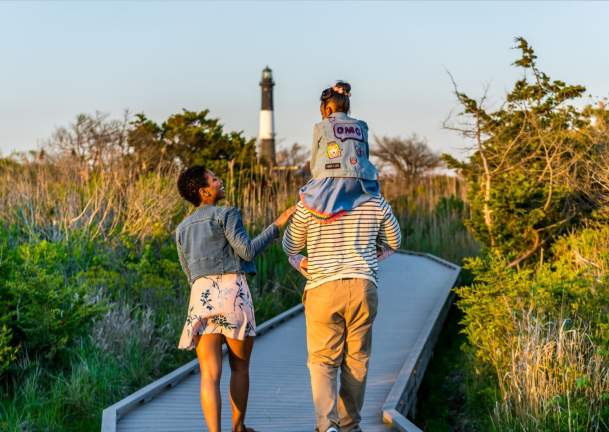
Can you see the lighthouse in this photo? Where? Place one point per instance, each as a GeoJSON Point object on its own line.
{"type": "Point", "coordinates": [266, 133]}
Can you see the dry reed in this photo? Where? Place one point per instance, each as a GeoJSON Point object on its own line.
{"type": "Point", "coordinates": [556, 380]}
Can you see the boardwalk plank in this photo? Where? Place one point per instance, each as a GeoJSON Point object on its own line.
{"type": "Point", "coordinates": [280, 396]}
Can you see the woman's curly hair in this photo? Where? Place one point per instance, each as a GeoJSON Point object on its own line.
{"type": "Point", "coordinates": [190, 181]}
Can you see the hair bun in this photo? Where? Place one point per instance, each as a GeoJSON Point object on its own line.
{"type": "Point", "coordinates": [343, 88]}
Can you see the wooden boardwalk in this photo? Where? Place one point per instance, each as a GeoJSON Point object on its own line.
{"type": "Point", "coordinates": [413, 289]}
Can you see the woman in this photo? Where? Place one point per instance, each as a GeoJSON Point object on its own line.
{"type": "Point", "coordinates": [215, 253]}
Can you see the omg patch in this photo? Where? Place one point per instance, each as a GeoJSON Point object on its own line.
{"type": "Point", "coordinates": [345, 131]}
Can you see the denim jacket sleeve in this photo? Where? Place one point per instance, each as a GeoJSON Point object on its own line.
{"type": "Point", "coordinates": [317, 137]}
{"type": "Point", "coordinates": [240, 241]}
{"type": "Point", "coordinates": [181, 255]}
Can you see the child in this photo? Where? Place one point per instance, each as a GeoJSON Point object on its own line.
{"type": "Point", "coordinates": [342, 175]}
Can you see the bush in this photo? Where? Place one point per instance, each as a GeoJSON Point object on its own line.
{"type": "Point", "coordinates": [541, 334]}
{"type": "Point", "coordinates": [8, 352]}
{"type": "Point", "coordinates": [47, 305]}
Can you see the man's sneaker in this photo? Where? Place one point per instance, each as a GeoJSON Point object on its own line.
{"type": "Point", "coordinates": [332, 429]}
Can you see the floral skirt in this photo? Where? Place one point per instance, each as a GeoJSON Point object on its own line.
{"type": "Point", "coordinates": [220, 304]}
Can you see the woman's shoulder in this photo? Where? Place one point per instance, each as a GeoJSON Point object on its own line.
{"type": "Point", "coordinates": [227, 213]}
{"type": "Point", "coordinates": [227, 209]}
{"type": "Point", "coordinates": [207, 212]}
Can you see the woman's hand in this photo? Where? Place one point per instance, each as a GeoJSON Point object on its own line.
{"type": "Point", "coordinates": [284, 217]}
{"type": "Point", "coordinates": [304, 264]}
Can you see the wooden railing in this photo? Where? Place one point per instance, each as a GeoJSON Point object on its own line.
{"type": "Point", "coordinates": [400, 402]}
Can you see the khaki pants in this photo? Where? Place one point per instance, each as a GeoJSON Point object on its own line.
{"type": "Point", "coordinates": [339, 317]}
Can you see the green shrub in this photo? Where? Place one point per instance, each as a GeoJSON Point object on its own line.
{"type": "Point", "coordinates": [499, 294]}
{"type": "Point", "coordinates": [541, 336]}
{"type": "Point", "coordinates": [8, 352]}
{"type": "Point", "coordinates": [47, 305]}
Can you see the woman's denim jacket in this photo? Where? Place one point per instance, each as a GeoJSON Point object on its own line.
{"type": "Point", "coordinates": [212, 240]}
{"type": "Point", "coordinates": [340, 148]}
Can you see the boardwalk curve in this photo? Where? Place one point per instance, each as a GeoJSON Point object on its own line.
{"type": "Point", "coordinates": [414, 295]}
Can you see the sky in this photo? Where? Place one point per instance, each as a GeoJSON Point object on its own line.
{"type": "Point", "coordinates": [59, 59]}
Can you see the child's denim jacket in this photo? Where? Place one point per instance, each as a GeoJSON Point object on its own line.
{"type": "Point", "coordinates": [340, 149]}
{"type": "Point", "coordinates": [212, 241]}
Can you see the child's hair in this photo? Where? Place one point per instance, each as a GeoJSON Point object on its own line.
{"type": "Point", "coordinates": [338, 95]}
{"type": "Point", "coordinates": [190, 181]}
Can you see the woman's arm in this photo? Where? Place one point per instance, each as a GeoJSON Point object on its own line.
{"type": "Point", "coordinates": [240, 241]}
{"type": "Point", "coordinates": [181, 256]}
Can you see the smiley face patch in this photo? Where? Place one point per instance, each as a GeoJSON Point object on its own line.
{"type": "Point", "coordinates": [333, 150]}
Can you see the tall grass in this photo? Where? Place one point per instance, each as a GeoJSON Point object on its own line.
{"type": "Point", "coordinates": [557, 379]}
{"type": "Point", "coordinates": [432, 211]}
{"type": "Point", "coordinates": [51, 198]}
{"type": "Point", "coordinates": [125, 219]}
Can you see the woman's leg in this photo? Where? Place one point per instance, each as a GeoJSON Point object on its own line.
{"type": "Point", "coordinates": [239, 353]}
{"type": "Point", "coordinates": [209, 353]}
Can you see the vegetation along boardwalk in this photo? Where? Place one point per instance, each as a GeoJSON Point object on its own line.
{"type": "Point", "coordinates": [414, 295]}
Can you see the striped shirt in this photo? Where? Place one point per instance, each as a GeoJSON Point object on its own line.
{"type": "Point", "coordinates": [345, 248]}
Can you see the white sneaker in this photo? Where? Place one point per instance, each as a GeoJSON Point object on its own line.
{"type": "Point", "coordinates": [332, 429]}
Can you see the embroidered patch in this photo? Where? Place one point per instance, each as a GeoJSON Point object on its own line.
{"type": "Point", "coordinates": [353, 161]}
{"type": "Point", "coordinates": [333, 165]}
{"type": "Point", "coordinates": [359, 150]}
{"type": "Point", "coordinates": [345, 131]}
{"type": "Point", "coordinates": [333, 150]}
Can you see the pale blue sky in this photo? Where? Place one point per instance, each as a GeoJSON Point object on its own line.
{"type": "Point", "coordinates": [63, 58]}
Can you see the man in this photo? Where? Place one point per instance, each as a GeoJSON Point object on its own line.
{"type": "Point", "coordinates": [340, 302]}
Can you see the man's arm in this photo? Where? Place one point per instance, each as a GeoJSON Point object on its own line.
{"type": "Point", "coordinates": [389, 234]}
{"type": "Point", "coordinates": [295, 236]}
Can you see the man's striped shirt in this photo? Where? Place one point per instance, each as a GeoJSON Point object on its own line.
{"type": "Point", "coordinates": [346, 247]}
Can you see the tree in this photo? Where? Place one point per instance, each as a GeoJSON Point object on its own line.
{"type": "Point", "coordinates": [409, 157]}
{"type": "Point", "coordinates": [93, 139]}
{"type": "Point", "coordinates": [528, 175]}
{"type": "Point", "coordinates": [190, 138]}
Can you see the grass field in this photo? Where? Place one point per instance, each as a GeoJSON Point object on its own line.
{"type": "Point", "coordinates": [101, 244]}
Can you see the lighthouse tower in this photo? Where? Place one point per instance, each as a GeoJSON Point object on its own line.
{"type": "Point", "coordinates": [266, 133]}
